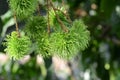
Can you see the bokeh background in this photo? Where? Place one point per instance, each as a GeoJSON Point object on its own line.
{"type": "Point", "coordinates": [100, 61]}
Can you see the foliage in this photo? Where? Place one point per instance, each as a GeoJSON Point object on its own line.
{"type": "Point", "coordinates": [100, 60]}
{"type": "Point", "coordinates": [36, 27]}
{"type": "Point", "coordinates": [17, 47]}
{"type": "Point", "coordinates": [53, 19]}
{"type": "Point", "coordinates": [23, 8]}
{"type": "Point", "coordinates": [62, 45]}
{"type": "Point", "coordinates": [67, 45]}
{"type": "Point", "coordinates": [79, 31]}
{"type": "Point", "coordinates": [43, 46]}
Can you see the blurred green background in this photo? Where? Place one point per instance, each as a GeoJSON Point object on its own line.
{"type": "Point", "coordinates": [100, 61]}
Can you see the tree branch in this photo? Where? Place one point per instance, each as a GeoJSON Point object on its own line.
{"type": "Point", "coordinates": [48, 17]}
{"type": "Point", "coordinates": [16, 25]}
{"type": "Point", "coordinates": [61, 23]}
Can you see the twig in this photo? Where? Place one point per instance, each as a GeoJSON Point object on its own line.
{"type": "Point", "coordinates": [48, 17]}
{"type": "Point", "coordinates": [63, 2]}
{"type": "Point", "coordinates": [16, 25]}
{"type": "Point", "coordinates": [61, 23]}
{"type": "Point", "coordinates": [38, 9]}
{"type": "Point", "coordinates": [66, 14]}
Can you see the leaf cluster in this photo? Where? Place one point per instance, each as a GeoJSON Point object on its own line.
{"type": "Point", "coordinates": [65, 41]}
{"type": "Point", "coordinates": [62, 44]}
{"type": "Point", "coordinates": [80, 33]}
{"type": "Point", "coordinates": [67, 45]}
{"type": "Point", "coordinates": [53, 19]}
{"type": "Point", "coordinates": [36, 27]}
{"type": "Point", "coordinates": [23, 8]}
{"type": "Point", "coordinates": [43, 46]}
{"type": "Point", "coordinates": [17, 47]}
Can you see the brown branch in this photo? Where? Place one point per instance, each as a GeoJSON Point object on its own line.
{"type": "Point", "coordinates": [115, 40]}
{"type": "Point", "coordinates": [16, 25]}
{"type": "Point", "coordinates": [67, 16]}
{"type": "Point", "coordinates": [61, 23]}
{"type": "Point", "coordinates": [63, 2]}
{"type": "Point", "coordinates": [48, 17]}
{"type": "Point", "coordinates": [38, 9]}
